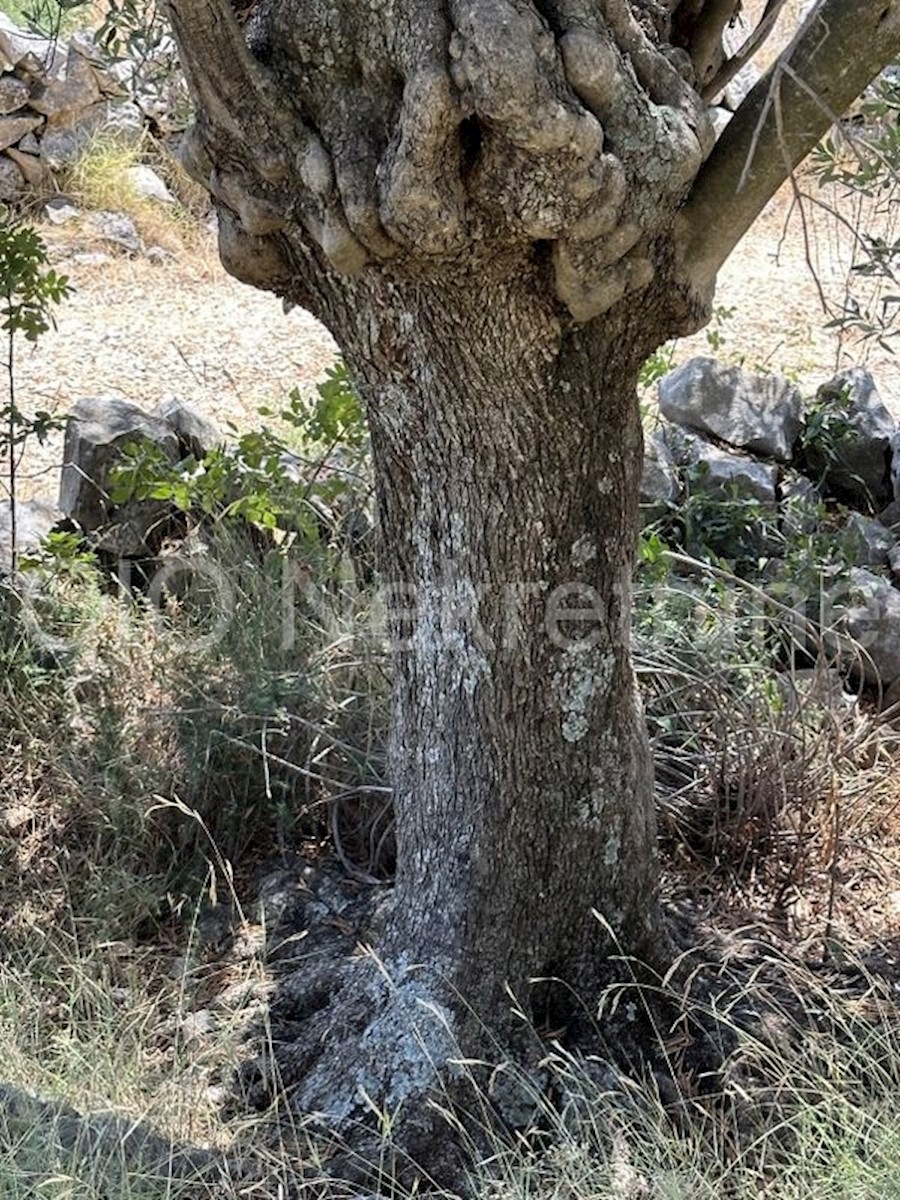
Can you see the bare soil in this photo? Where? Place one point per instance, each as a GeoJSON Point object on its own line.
{"type": "Point", "coordinates": [142, 330]}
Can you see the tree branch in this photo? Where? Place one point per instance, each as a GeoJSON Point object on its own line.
{"type": "Point", "coordinates": [839, 50]}
{"type": "Point", "coordinates": [230, 78]}
{"type": "Point", "coordinates": [737, 62]}
{"type": "Point", "coordinates": [703, 36]}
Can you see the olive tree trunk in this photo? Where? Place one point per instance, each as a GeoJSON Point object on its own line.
{"type": "Point", "coordinates": [507, 447]}
{"type": "Point", "coordinates": [508, 453]}
{"type": "Point", "coordinates": [499, 208]}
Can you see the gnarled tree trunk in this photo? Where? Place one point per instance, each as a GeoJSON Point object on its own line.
{"type": "Point", "coordinates": [499, 207]}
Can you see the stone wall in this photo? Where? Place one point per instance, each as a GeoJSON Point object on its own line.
{"type": "Point", "coordinates": [55, 95]}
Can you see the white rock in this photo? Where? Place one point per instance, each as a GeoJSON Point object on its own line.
{"type": "Point", "coordinates": [147, 183]}
{"type": "Point", "coordinates": [59, 211]}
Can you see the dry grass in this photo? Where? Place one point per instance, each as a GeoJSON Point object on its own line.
{"type": "Point", "coordinates": [99, 181]}
{"type": "Point", "coordinates": [118, 991]}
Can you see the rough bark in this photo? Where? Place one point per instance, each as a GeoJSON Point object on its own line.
{"type": "Point", "coordinates": [507, 448]}
{"type": "Point", "coordinates": [508, 468]}
{"type": "Point", "coordinates": [499, 207]}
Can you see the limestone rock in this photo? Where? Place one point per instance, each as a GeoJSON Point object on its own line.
{"type": "Point", "coordinates": [65, 98]}
{"type": "Point", "coordinates": [800, 505]}
{"type": "Point", "coordinates": [98, 432]}
{"type": "Point", "coordinates": [715, 472]}
{"type": "Point", "coordinates": [760, 413]}
{"type": "Point", "coordinates": [34, 171]}
{"type": "Point", "coordinates": [659, 484]}
{"type": "Point", "coordinates": [17, 45]}
{"type": "Point", "coordinates": [34, 520]}
{"type": "Point", "coordinates": [872, 619]}
{"type": "Point", "coordinates": [148, 184]}
{"type": "Point", "coordinates": [13, 128]}
{"type": "Point", "coordinates": [865, 542]}
{"type": "Point", "coordinates": [115, 228]}
{"type": "Point", "coordinates": [196, 433]}
{"type": "Point", "coordinates": [850, 452]}
{"type": "Point", "coordinates": [60, 210]}
{"type": "Point", "coordinates": [13, 94]}
{"type": "Point", "coordinates": [60, 147]}
{"type": "Point", "coordinates": [12, 181]}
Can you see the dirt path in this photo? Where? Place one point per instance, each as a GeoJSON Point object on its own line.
{"type": "Point", "coordinates": [142, 331]}
{"type": "Point", "coordinates": [775, 282]}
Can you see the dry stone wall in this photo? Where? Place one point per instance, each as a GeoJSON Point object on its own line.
{"type": "Point", "coordinates": [55, 95]}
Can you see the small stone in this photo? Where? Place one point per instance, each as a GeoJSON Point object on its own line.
{"type": "Point", "coordinates": [61, 147]}
{"type": "Point", "coordinates": [13, 128]}
{"type": "Point", "coordinates": [115, 228]}
{"type": "Point", "coordinates": [34, 520]}
{"type": "Point", "coordinates": [60, 210]}
{"type": "Point", "coordinates": [34, 171]}
{"type": "Point", "coordinates": [148, 184]}
{"type": "Point", "coordinates": [158, 255]}
{"type": "Point", "coordinates": [12, 181]}
{"type": "Point", "coordinates": [17, 819]}
{"type": "Point", "coordinates": [197, 1025]}
{"type": "Point", "coordinates": [890, 516]}
{"type": "Point", "coordinates": [91, 258]}
{"type": "Point", "coordinates": [13, 94]}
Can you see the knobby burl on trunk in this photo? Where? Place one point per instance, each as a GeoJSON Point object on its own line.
{"type": "Point", "coordinates": [499, 208]}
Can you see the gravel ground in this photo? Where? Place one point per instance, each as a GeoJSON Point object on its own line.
{"type": "Point", "coordinates": [141, 331]}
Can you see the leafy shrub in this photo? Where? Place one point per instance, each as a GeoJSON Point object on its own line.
{"type": "Point", "coordinates": [29, 289]}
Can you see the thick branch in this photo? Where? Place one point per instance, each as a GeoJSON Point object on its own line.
{"type": "Point", "coordinates": [839, 50]}
{"type": "Point", "coordinates": [231, 80]}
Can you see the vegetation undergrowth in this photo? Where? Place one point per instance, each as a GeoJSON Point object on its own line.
{"type": "Point", "coordinates": [155, 758]}
{"type": "Point", "coordinates": [100, 179]}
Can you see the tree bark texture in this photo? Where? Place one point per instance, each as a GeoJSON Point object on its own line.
{"type": "Point", "coordinates": [507, 450]}
{"type": "Point", "coordinates": [499, 208]}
